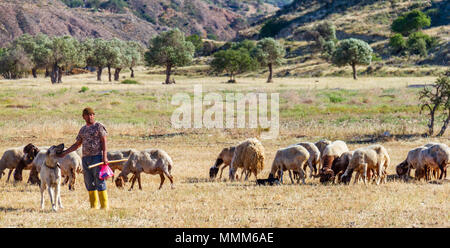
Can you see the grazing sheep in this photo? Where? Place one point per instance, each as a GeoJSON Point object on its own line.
{"type": "Point", "coordinates": [248, 155]}
{"type": "Point", "coordinates": [412, 161]}
{"type": "Point", "coordinates": [118, 155]}
{"type": "Point", "coordinates": [430, 157]}
{"type": "Point", "coordinates": [225, 157]}
{"type": "Point", "coordinates": [290, 158]}
{"type": "Point", "coordinates": [331, 152]}
{"type": "Point", "coordinates": [321, 144]}
{"type": "Point", "coordinates": [10, 159]}
{"type": "Point", "coordinates": [338, 167]}
{"type": "Point", "coordinates": [314, 157]}
{"type": "Point", "coordinates": [151, 161]}
{"type": "Point", "coordinates": [441, 155]}
{"type": "Point", "coordinates": [51, 177]}
{"type": "Point", "coordinates": [375, 158]}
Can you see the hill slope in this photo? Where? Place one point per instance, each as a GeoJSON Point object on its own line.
{"type": "Point", "coordinates": [138, 20]}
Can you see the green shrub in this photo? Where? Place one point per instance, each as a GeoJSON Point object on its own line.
{"type": "Point", "coordinates": [410, 22]}
{"type": "Point", "coordinates": [397, 43]}
{"type": "Point", "coordinates": [84, 89]}
{"type": "Point", "coordinates": [129, 81]}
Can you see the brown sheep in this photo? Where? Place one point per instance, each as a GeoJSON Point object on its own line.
{"type": "Point", "coordinates": [338, 167]}
{"type": "Point", "coordinates": [225, 157]}
{"type": "Point", "coordinates": [30, 152]}
{"type": "Point", "coordinates": [10, 159]}
{"type": "Point", "coordinates": [248, 155]}
{"type": "Point", "coordinates": [290, 158]}
{"type": "Point", "coordinates": [331, 152]}
{"type": "Point", "coordinates": [375, 158]}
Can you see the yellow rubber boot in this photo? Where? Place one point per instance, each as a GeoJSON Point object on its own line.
{"type": "Point", "coordinates": [93, 198]}
{"type": "Point", "coordinates": [103, 195]}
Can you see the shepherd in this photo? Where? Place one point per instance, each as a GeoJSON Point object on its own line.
{"type": "Point", "coordinates": [92, 137]}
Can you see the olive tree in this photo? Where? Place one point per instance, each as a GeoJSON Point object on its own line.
{"type": "Point", "coordinates": [65, 52]}
{"type": "Point", "coordinates": [233, 62]}
{"type": "Point", "coordinates": [269, 52]}
{"type": "Point", "coordinates": [352, 52]}
{"type": "Point", "coordinates": [169, 49]}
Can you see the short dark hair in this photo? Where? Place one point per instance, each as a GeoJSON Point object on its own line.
{"type": "Point", "coordinates": [88, 111]}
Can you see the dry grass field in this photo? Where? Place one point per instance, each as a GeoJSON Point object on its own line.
{"type": "Point", "coordinates": [138, 116]}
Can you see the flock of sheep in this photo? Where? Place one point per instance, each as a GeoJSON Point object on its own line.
{"type": "Point", "coordinates": [329, 161]}
{"type": "Point", "coordinates": [30, 157]}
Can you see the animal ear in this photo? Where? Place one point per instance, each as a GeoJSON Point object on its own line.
{"type": "Point", "coordinates": [59, 148]}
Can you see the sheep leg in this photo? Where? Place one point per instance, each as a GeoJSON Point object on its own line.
{"type": "Point", "coordinates": [9, 174]}
{"type": "Point", "coordinates": [442, 168]}
{"type": "Point", "coordinates": [379, 174]}
{"type": "Point", "coordinates": [364, 174]}
{"type": "Point", "coordinates": [221, 170]}
{"type": "Point", "coordinates": [356, 178]}
{"type": "Point", "coordinates": [311, 168]}
{"type": "Point", "coordinates": [167, 173]}
{"type": "Point", "coordinates": [133, 180]}
{"type": "Point", "coordinates": [139, 180]}
{"type": "Point", "coordinates": [302, 176]}
{"type": "Point", "coordinates": [290, 176]}
{"type": "Point", "coordinates": [162, 180]}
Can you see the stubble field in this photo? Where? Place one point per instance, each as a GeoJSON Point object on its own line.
{"type": "Point", "coordinates": [138, 116]}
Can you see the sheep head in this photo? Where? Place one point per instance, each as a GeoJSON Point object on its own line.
{"type": "Point", "coordinates": [402, 168]}
{"type": "Point", "coordinates": [347, 176]}
{"type": "Point", "coordinates": [121, 180]}
{"type": "Point", "coordinates": [213, 172]}
{"type": "Point", "coordinates": [326, 175]}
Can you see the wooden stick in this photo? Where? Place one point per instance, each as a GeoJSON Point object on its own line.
{"type": "Point", "coordinates": [110, 162]}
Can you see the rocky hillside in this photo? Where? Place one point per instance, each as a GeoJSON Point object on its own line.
{"type": "Point", "coordinates": [136, 19]}
{"type": "Point", "coordinates": [368, 20]}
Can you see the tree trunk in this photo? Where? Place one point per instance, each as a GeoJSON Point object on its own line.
{"type": "Point", "coordinates": [132, 72]}
{"type": "Point", "coordinates": [444, 127]}
{"type": "Point", "coordinates": [99, 73]}
{"type": "Point", "coordinates": [109, 73]}
{"type": "Point", "coordinates": [431, 123]}
{"type": "Point", "coordinates": [54, 74]}
{"type": "Point", "coordinates": [117, 74]}
{"type": "Point", "coordinates": [33, 71]}
{"type": "Point", "coordinates": [269, 80]}
{"type": "Point", "coordinates": [354, 71]}
{"type": "Point", "coordinates": [47, 73]}
{"type": "Point", "coordinates": [60, 73]}
{"type": "Point", "coordinates": [168, 72]}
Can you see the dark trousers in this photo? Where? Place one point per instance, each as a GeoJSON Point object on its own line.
{"type": "Point", "coordinates": [91, 179]}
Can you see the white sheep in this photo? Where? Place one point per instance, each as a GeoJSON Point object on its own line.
{"type": "Point", "coordinates": [150, 161]}
{"type": "Point", "coordinates": [372, 158]}
{"type": "Point", "coordinates": [290, 158]}
{"type": "Point", "coordinates": [314, 157]}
